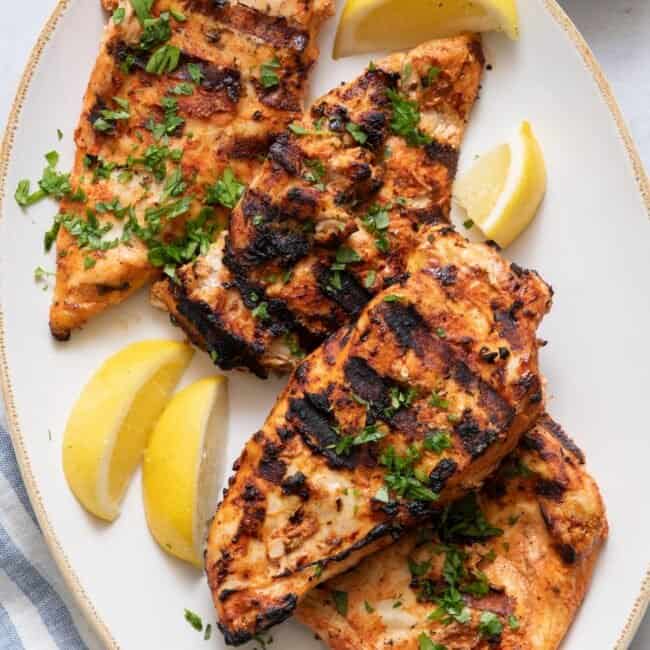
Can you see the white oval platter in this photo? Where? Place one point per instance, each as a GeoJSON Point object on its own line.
{"type": "Point", "coordinates": [591, 241]}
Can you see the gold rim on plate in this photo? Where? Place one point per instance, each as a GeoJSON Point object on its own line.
{"type": "Point", "coordinates": [72, 581]}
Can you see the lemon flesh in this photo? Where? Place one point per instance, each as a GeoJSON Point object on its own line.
{"type": "Point", "coordinates": [110, 423]}
{"type": "Point", "coordinates": [372, 25]}
{"type": "Point", "coordinates": [502, 192]}
{"type": "Point", "coordinates": [181, 468]}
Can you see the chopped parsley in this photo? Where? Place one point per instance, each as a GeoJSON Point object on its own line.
{"type": "Point", "coordinates": [261, 312]}
{"type": "Point", "coordinates": [357, 133]}
{"type": "Point", "coordinates": [171, 123]}
{"type": "Point", "coordinates": [268, 73]}
{"type": "Point", "coordinates": [437, 401]}
{"type": "Point", "coordinates": [437, 442]}
{"type": "Point", "coordinates": [425, 643]}
{"type": "Point", "coordinates": [89, 262]}
{"type": "Point", "coordinates": [376, 222]}
{"type": "Point", "coordinates": [164, 60]}
{"type": "Point", "coordinates": [52, 183]}
{"type": "Point", "coordinates": [226, 191]}
{"type": "Point", "coordinates": [291, 341]}
{"type": "Point", "coordinates": [316, 173]}
{"type": "Point", "coordinates": [513, 622]}
{"type": "Point", "coordinates": [432, 75]}
{"type": "Point", "coordinates": [208, 632]}
{"type": "Point", "coordinates": [156, 32]}
{"type": "Point", "coordinates": [88, 232]}
{"type": "Point", "coordinates": [369, 608]}
{"type": "Point", "coordinates": [347, 255]}
{"type": "Point", "coordinates": [298, 129]}
{"type": "Point", "coordinates": [401, 478]}
{"type": "Point", "coordinates": [464, 519]}
{"type": "Point", "coordinates": [142, 9]}
{"type": "Point", "coordinates": [195, 72]}
{"type": "Point", "coordinates": [406, 120]}
{"type": "Point", "coordinates": [108, 118]}
{"type": "Point", "coordinates": [118, 15]}
{"type": "Point", "coordinates": [370, 280]}
{"type": "Point", "coordinates": [400, 398]}
{"type": "Point", "coordinates": [468, 224]}
{"type": "Point", "coordinates": [340, 601]}
{"type": "Point", "coordinates": [489, 625]}
{"type": "Point", "coordinates": [59, 134]}
{"type": "Point", "coordinates": [392, 297]}
{"type": "Point", "coordinates": [370, 433]}
{"type": "Point", "coordinates": [183, 88]}
{"type": "Point", "coordinates": [419, 569]}
{"type": "Point", "coordinates": [194, 620]}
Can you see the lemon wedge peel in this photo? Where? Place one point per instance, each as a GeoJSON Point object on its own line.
{"type": "Point", "coordinates": [374, 25]}
{"type": "Point", "coordinates": [110, 423]}
{"type": "Point", "coordinates": [502, 192]}
{"type": "Point", "coordinates": [180, 472]}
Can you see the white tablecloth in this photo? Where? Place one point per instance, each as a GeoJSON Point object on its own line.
{"type": "Point", "coordinates": [33, 606]}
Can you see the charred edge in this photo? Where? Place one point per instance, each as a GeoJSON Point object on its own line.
{"type": "Point", "coordinates": [214, 79]}
{"type": "Point", "coordinates": [367, 384]}
{"type": "Point", "coordinates": [441, 473]}
{"type": "Point", "coordinates": [271, 467]}
{"type": "Point", "coordinates": [312, 417]}
{"type": "Point", "coordinates": [568, 554]}
{"type": "Point", "coordinates": [444, 154]}
{"type": "Point", "coordinates": [281, 319]}
{"type": "Point", "coordinates": [269, 618]}
{"type": "Point", "coordinates": [432, 215]}
{"type": "Point", "coordinates": [248, 148]}
{"type": "Point", "coordinates": [230, 351]}
{"type": "Point", "coordinates": [506, 320]}
{"type": "Point", "coordinates": [351, 297]}
{"type": "Point", "coordinates": [447, 276]}
{"type": "Point", "coordinates": [287, 96]}
{"type": "Point", "coordinates": [550, 489]}
{"type": "Point", "coordinates": [296, 485]}
{"type": "Point", "coordinates": [377, 533]}
{"type": "Point", "coordinates": [287, 155]}
{"type": "Point", "coordinates": [337, 116]}
{"type": "Point", "coordinates": [476, 49]}
{"type": "Point", "coordinates": [277, 31]}
{"type": "Point", "coordinates": [405, 322]}
{"type": "Point", "coordinates": [559, 434]}
{"type": "Point", "coordinates": [374, 83]}
{"type": "Point", "coordinates": [476, 441]}
{"type": "Point", "coordinates": [375, 125]}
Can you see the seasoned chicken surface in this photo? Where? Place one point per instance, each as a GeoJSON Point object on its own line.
{"type": "Point", "coordinates": [181, 108]}
{"type": "Point", "coordinates": [338, 206]}
{"type": "Point", "coordinates": [389, 420]}
{"type": "Point", "coordinates": [505, 569]}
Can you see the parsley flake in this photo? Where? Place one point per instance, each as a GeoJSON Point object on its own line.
{"type": "Point", "coordinates": [489, 625]}
{"type": "Point", "coordinates": [268, 73]}
{"type": "Point", "coordinates": [341, 601]}
{"type": "Point", "coordinates": [226, 191]}
{"type": "Point", "coordinates": [357, 132]}
{"type": "Point", "coordinates": [194, 620]}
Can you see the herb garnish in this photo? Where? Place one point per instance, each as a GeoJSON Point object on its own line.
{"type": "Point", "coordinates": [142, 9]}
{"type": "Point", "coordinates": [376, 222]}
{"type": "Point", "coordinates": [107, 120]}
{"type": "Point", "coordinates": [316, 173]}
{"type": "Point", "coordinates": [401, 475]}
{"type": "Point", "coordinates": [341, 601]}
{"type": "Point", "coordinates": [437, 442]}
{"type": "Point", "coordinates": [432, 75]}
{"type": "Point", "coordinates": [357, 132]}
{"type": "Point", "coordinates": [370, 433]}
{"type": "Point", "coordinates": [52, 184]}
{"type": "Point", "coordinates": [195, 72]}
{"type": "Point", "coordinates": [194, 620]}
{"type": "Point", "coordinates": [156, 31]}
{"type": "Point", "coordinates": [406, 120]}
{"type": "Point", "coordinates": [226, 191]}
{"type": "Point", "coordinates": [171, 121]}
{"type": "Point", "coordinates": [268, 73]}
{"type": "Point", "coordinates": [489, 625]}
{"type": "Point", "coordinates": [425, 643]}
{"type": "Point", "coordinates": [164, 60]}
{"type": "Point", "coordinates": [118, 15]}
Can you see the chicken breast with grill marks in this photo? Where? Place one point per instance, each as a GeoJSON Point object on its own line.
{"type": "Point", "coordinates": [519, 557]}
{"type": "Point", "coordinates": [180, 111]}
{"type": "Point", "coordinates": [330, 220]}
{"type": "Point", "coordinates": [348, 458]}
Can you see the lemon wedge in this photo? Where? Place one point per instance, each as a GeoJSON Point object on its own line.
{"type": "Point", "coordinates": [372, 25]}
{"type": "Point", "coordinates": [111, 421]}
{"type": "Point", "coordinates": [502, 192]}
{"type": "Point", "coordinates": [181, 468]}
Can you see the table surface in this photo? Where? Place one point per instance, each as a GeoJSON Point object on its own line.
{"type": "Point", "coordinates": [617, 31]}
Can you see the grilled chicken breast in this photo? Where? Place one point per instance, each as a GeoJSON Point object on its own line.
{"type": "Point", "coordinates": [389, 420]}
{"type": "Point", "coordinates": [508, 568]}
{"type": "Point", "coordinates": [331, 218]}
{"type": "Point", "coordinates": [180, 110]}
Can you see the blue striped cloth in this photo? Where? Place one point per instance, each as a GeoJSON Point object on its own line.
{"type": "Point", "coordinates": [36, 610]}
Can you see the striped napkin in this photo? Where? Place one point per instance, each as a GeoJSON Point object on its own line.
{"type": "Point", "coordinates": [36, 610]}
